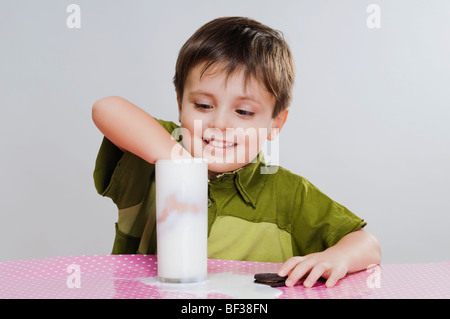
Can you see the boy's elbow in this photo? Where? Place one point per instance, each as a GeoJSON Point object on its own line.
{"type": "Point", "coordinates": [378, 252]}
{"type": "Point", "coordinates": [100, 107]}
{"type": "Point", "coordinates": [376, 249]}
{"type": "Point", "coordinates": [96, 109]}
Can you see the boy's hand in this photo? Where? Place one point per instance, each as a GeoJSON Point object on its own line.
{"type": "Point", "coordinates": [326, 264]}
{"type": "Point", "coordinates": [354, 252]}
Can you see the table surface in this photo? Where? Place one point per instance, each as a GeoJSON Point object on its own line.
{"type": "Point", "coordinates": [134, 276]}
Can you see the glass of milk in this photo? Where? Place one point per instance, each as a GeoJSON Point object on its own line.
{"type": "Point", "coordinates": [182, 220]}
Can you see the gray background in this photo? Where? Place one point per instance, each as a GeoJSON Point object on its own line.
{"type": "Point", "coordinates": [369, 123]}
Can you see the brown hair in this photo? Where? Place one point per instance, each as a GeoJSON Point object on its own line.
{"type": "Point", "coordinates": [239, 43]}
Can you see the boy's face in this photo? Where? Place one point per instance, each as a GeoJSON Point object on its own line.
{"type": "Point", "coordinates": [227, 121]}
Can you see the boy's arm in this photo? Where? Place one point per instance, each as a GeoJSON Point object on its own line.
{"type": "Point", "coordinates": [132, 129]}
{"type": "Point", "coordinates": [354, 252]}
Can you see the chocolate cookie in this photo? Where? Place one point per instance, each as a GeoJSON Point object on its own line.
{"type": "Point", "coordinates": [271, 279]}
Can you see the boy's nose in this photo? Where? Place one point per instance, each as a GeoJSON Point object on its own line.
{"type": "Point", "coordinates": [219, 121]}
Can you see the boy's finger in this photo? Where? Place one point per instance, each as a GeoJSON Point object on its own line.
{"type": "Point", "coordinates": [314, 275]}
{"type": "Point", "coordinates": [333, 279]}
{"type": "Point", "coordinates": [288, 265]}
{"type": "Point", "coordinates": [297, 273]}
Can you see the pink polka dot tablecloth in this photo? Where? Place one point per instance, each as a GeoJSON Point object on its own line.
{"type": "Point", "coordinates": [134, 276]}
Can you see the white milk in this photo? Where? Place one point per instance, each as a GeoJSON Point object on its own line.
{"type": "Point", "coordinates": [182, 220]}
{"type": "Point", "coordinates": [238, 286]}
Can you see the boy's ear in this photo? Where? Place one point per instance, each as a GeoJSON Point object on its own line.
{"type": "Point", "coordinates": [179, 107]}
{"type": "Point", "coordinates": [277, 124]}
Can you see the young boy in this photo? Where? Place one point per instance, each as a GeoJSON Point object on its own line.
{"type": "Point", "coordinates": [233, 81]}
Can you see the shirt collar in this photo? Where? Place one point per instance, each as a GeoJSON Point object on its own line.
{"type": "Point", "coordinates": [248, 180]}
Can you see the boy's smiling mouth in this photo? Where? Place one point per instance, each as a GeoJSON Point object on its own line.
{"type": "Point", "coordinates": [212, 142]}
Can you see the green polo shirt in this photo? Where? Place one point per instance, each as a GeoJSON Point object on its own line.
{"type": "Point", "coordinates": [252, 215]}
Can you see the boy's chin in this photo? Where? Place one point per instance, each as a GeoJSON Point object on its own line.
{"type": "Point", "coordinates": [220, 168]}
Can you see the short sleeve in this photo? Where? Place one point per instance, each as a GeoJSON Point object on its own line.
{"type": "Point", "coordinates": [123, 176]}
{"type": "Point", "coordinates": [318, 221]}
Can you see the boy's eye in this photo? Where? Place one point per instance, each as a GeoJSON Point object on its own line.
{"type": "Point", "coordinates": [245, 113]}
{"type": "Point", "coordinates": [203, 106]}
